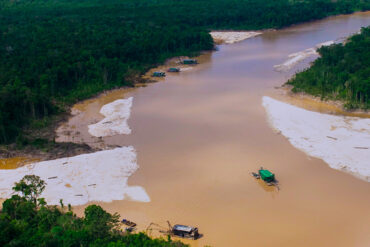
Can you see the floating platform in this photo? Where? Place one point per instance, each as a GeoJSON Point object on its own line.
{"type": "Point", "coordinates": [267, 176]}
{"type": "Point", "coordinates": [189, 61]}
{"type": "Point", "coordinates": [173, 70]}
{"type": "Point", "coordinates": [159, 74]}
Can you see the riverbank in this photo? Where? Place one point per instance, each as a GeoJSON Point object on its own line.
{"type": "Point", "coordinates": [99, 176]}
{"type": "Point", "coordinates": [231, 37]}
{"type": "Point", "coordinates": [198, 135]}
{"type": "Point", "coordinates": [225, 36]}
{"type": "Point", "coordinates": [38, 144]}
{"type": "Point", "coordinates": [313, 103]}
{"type": "Point", "coordinates": [341, 72]}
{"type": "Point", "coordinates": [342, 142]}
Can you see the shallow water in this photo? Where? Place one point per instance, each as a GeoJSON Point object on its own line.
{"type": "Point", "coordinates": [15, 162]}
{"type": "Point", "coordinates": [199, 134]}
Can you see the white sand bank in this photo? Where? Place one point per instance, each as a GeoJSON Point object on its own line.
{"type": "Point", "coordinates": [100, 176]}
{"type": "Point", "coordinates": [232, 37]}
{"type": "Point", "coordinates": [115, 122]}
{"type": "Point", "coordinates": [342, 142]}
{"type": "Point", "coordinates": [298, 57]}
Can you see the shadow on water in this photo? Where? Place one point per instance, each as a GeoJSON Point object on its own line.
{"type": "Point", "coordinates": [273, 189]}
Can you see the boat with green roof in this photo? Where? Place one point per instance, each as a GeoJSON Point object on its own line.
{"type": "Point", "coordinates": [266, 175]}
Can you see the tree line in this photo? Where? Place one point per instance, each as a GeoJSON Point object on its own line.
{"type": "Point", "coordinates": [27, 220]}
{"type": "Point", "coordinates": [53, 53]}
{"type": "Point", "coordinates": [341, 73]}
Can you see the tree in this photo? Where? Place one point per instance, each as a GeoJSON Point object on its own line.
{"type": "Point", "coordinates": [22, 223]}
{"type": "Point", "coordinates": [100, 223]}
{"type": "Point", "coordinates": [30, 186]}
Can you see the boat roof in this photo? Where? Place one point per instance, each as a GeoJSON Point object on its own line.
{"type": "Point", "coordinates": [183, 228]}
{"type": "Point", "coordinates": [266, 173]}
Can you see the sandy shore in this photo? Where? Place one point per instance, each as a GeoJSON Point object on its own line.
{"type": "Point", "coordinates": [100, 176]}
{"type": "Point", "coordinates": [115, 122]}
{"type": "Point", "coordinates": [298, 57]}
{"type": "Point", "coordinates": [342, 142]}
{"type": "Point", "coordinates": [313, 103]}
{"type": "Point", "coordinates": [229, 37]}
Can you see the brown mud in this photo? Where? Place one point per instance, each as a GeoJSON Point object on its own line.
{"type": "Point", "coordinates": [40, 145]}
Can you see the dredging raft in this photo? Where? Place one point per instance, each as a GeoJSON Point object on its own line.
{"type": "Point", "coordinates": [177, 230]}
{"type": "Point", "coordinates": [267, 176]}
{"type": "Point", "coordinates": [159, 74]}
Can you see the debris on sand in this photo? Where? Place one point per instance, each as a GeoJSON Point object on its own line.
{"type": "Point", "coordinates": [108, 172]}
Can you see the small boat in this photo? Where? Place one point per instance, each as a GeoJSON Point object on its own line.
{"type": "Point", "coordinates": [185, 231]}
{"type": "Point", "coordinates": [267, 176]}
{"type": "Point", "coordinates": [173, 70]}
{"type": "Point", "coordinates": [189, 61]}
{"type": "Point", "coordinates": [128, 223]}
{"type": "Point", "coordinates": [159, 74]}
{"type": "Point", "coordinates": [181, 231]}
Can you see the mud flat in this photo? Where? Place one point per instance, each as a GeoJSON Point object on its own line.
{"type": "Point", "coordinates": [100, 176]}
{"type": "Point", "coordinates": [342, 142]}
{"type": "Point", "coordinates": [229, 37]}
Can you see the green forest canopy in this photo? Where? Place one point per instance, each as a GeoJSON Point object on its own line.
{"type": "Point", "coordinates": [26, 220]}
{"type": "Point", "coordinates": [54, 52]}
{"type": "Point", "coordinates": [341, 73]}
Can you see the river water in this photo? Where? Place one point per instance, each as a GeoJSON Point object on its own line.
{"type": "Point", "coordinates": [199, 134]}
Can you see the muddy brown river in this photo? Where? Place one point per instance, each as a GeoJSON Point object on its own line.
{"type": "Point", "coordinates": [199, 134]}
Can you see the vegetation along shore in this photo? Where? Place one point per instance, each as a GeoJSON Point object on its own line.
{"type": "Point", "coordinates": [341, 73]}
{"type": "Point", "coordinates": [56, 53]}
{"type": "Point", "coordinates": [27, 220]}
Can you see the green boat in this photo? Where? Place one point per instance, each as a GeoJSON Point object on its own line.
{"type": "Point", "coordinates": [266, 175]}
{"type": "Point", "coordinates": [189, 61]}
{"type": "Point", "coordinates": [159, 74]}
{"type": "Point", "coordinates": [173, 70]}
